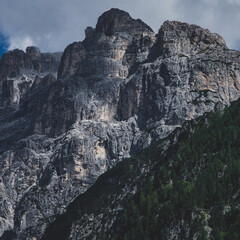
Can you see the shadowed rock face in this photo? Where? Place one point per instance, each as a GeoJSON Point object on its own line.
{"type": "Point", "coordinates": [117, 21]}
{"type": "Point", "coordinates": [19, 69]}
{"type": "Point", "coordinates": [117, 91]}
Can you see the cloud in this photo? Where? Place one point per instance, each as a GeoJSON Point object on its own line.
{"type": "Point", "coordinates": [20, 42]}
{"type": "Point", "coordinates": [52, 25]}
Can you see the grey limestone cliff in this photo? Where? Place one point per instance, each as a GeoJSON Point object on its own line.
{"type": "Point", "coordinates": [18, 70]}
{"type": "Point", "coordinates": [119, 90]}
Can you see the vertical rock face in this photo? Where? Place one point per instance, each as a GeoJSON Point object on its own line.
{"type": "Point", "coordinates": [11, 63]}
{"type": "Point", "coordinates": [176, 38]}
{"type": "Point", "coordinates": [193, 72]}
{"type": "Point", "coordinates": [120, 89]}
{"type": "Point", "coordinates": [117, 43]}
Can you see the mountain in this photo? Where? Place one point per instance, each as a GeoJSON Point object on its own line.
{"type": "Point", "coordinates": [65, 122]}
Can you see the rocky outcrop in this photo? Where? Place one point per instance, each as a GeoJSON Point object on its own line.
{"type": "Point", "coordinates": [18, 70]}
{"type": "Point", "coordinates": [176, 88]}
{"type": "Point", "coordinates": [181, 38]}
{"type": "Point", "coordinates": [117, 91]}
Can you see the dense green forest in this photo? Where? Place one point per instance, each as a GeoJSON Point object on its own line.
{"type": "Point", "coordinates": [189, 191]}
{"type": "Point", "coordinates": [199, 175]}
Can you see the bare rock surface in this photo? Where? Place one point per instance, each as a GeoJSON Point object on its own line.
{"type": "Point", "coordinates": [18, 70]}
{"type": "Point", "coordinates": [116, 92]}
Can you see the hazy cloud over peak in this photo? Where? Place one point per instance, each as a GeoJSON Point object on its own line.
{"type": "Point", "coordinates": [52, 25]}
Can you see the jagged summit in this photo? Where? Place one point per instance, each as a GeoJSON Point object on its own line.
{"type": "Point", "coordinates": [116, 20]}
{"type": "Point", "coordinates": [18, 70]}
{"type": "Point", "coordinates": [179, 37]}
{"type": "Point", "coordinates": [33, 51]}
{"type": "Point", "coordinates": [114, 47]}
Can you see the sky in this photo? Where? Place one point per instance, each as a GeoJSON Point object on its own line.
{"type": "Point", "coordinates": [53, 24]}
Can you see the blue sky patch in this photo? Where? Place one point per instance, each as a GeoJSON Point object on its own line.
{"type": "Point", "coordinates": [3, 44]}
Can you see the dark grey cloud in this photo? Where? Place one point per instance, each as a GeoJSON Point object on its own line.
{"type": "Point", "coordinates": [53, 24]}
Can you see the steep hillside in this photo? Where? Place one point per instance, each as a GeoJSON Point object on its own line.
{"type": "Point", "coordinates": [121, 89]}
{"type": "Point", "coordinates": [187, 186]}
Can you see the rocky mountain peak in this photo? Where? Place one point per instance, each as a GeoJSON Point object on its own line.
{"type": "Point", "coordinates": [118, 43]}
{"type": "Point", "coordinates": [183, 38]}
{"type": "Point", "coordinates": [33, 52]}
{"type": "Point", "coordinates": [115, 21]}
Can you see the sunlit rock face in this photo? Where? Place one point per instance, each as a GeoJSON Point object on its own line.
{"type": "Point", "coordinates": [116, 45]}
{"type": "Point", "coordinates": [63, 123]}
